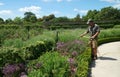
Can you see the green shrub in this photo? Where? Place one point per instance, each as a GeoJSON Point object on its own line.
{"type": "Point", "coordinates": [17, 43]}
{"type": "Point", "coordinates": [117, 26]}
{"type": "Point", "coordinates": [106, 26]}
{"type": "Point", "coordinates": [34, 47]}
{"type": "Point", "coordinates": [107, 33]}
{"type": "Point", "coordinates": [9, 55]}
{"type": "Point", "coordinates": [83, 63]}
{"type": "Point", "coordinates": [43, 38]}
{"type": "Point", "coordinates": [70, 35]}
{"type": "Point", "coordinates": [33, 51]}
{"type": "Point", "coordinates": [50, 64]}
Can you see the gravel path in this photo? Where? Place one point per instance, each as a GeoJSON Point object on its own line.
{"type": "Point", "coordinates": [108, 62]}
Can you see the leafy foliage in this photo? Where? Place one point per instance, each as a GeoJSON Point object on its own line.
{"type": "Point", "coordinates": [49, 65]}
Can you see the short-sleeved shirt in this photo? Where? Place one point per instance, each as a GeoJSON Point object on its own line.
{"type": "Point", "coordinates": [93, 29]}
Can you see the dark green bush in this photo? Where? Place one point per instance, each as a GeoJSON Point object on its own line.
{"type": "Point", "coordinates": [34, 47]}
{"type": "Point", "coordinates": [33, 51]}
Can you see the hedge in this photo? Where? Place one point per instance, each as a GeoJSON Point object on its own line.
{"type": "Point", "coordinates": [107, 40]}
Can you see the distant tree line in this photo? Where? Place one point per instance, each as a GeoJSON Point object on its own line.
{"type": "Point", "coordinates": [105, 15]}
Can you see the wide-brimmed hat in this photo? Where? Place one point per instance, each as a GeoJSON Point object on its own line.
{"type": "Point", "coordinates": [89, 20]}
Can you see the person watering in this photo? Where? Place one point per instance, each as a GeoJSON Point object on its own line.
{"type": "Point", "coordinates": [94, 31]}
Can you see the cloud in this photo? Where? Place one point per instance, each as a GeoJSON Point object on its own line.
{"type": "Point", "coordinates": [111, 1]}
{"type": "Point", "coordinates": [69, 0]}
{"type": "Point", "coordinates": [116, 3]}
{"type": "Point", "coordinates": [1, 4]}
{"type": "Point", "coordinates": [34, 9]}
{"type": "Point", "coordinates": [4, 12]}
{"type": "Point", "coordinates": [64, 0]}
{"type": "Point", "coordinates": [47, 0]}
{"type": "Point", "coordinates": [55, 12]}
{"type": "Point", "coordinates": [117, 6]}
{"type": "Point", "coordinates": [56, 0]}
{"type": "Point", "coordinates": [81, 11]}
{"type": "Point", "coordinates": [59, 0]}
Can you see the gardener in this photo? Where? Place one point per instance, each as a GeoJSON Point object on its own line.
{"type": "Point", "coordinates": [94, 31]}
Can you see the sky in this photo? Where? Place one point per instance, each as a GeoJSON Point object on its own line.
{"type": "Point", "coordinates": [68, 8]}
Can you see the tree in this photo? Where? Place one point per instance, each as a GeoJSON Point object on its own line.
{"type": "Point", "coordinates": [91, 14]}
{"type": "Point", "coordinates": [33, 19]}
{"type": "Point", "coordinates": [18, 20]}
{"type": "Point", "coordinates": [1, 21]}
{"type": "Point", "coordinates": [109, 13]}
{"type": "Point", "coordinates": [30, 17]}
{"type": "Point", "coordinates": [77, 18]}
{"type": "Point", "coordinates": [9, 21]}
{"type": "Point", "coordinates": [49, 18]}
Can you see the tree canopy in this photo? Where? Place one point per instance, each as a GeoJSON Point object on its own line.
{"type": "Point", "coordinates": [106, 13]}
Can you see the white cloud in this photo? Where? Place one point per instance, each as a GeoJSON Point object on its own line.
{"type": "Point", "coordinates": [1, 4]}
{"type": "Point", "coordinates": [4, 12]}
{"type": "Point", "coordinates": [47, 0]}
{"type": "Point", "coordinates": [69, 0]}
{"type": "Point", "coordinates": [34, 9]}
{"type": "Point", "coordinates": [81, 11]}
{"type": "Point", "coordinates": [55, 12]}
{"type": "Point", "coordinates": [116, 3]}
{"type": "Point", "coordinates": [56, 0]}
{"type": "Point", "coordinates": [59, 0]}
{"type": "Point", "coordinates": [111, 1]}
{"type": "Point", "coordinates": [63, 0]}
{"type": "Point", "coordinates": [117, 6]}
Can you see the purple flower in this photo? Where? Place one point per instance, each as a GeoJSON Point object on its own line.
{"type": "Point", "coordinates": [74, 53]}
{"type": "Point", "coordinates": [38, 65]}
{"type": "Point", "coordinates": [76, 45]}
{"type": "Point", "coordinates": [71, 60]}
{"type": "Point", "coordinates": [11, 69]}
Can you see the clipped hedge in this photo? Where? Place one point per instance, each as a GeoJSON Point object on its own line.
{"type": "Point", "coordinates": [84, 61]}
{"type": "Point", "coordinates": [105, 26]}
{"type": "Point", "coordinates": [107, 40]}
